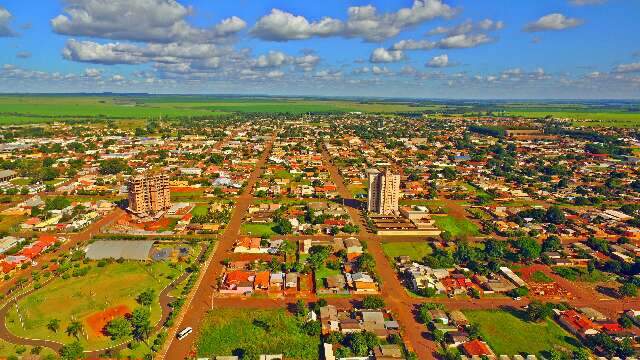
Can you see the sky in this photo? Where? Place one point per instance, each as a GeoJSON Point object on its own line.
{"type": "Point", "coordinates": [461, 49]}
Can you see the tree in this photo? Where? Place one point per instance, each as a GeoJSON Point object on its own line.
{"type": "Point", "coordinates": [366, 263]}
{"type": "Point", "coordinates": [552, 243]}
{"type": "Point", "coordinates": [119, 328]}
{"type": "Point", "coordinates": [113, 167]}
{"type": "Point", "coordinates": [581, 354]}
{"type": "Point", "coordinates": [555, 215]}
{"type": "Point", "coordinates": [53, 325]}
{"type": "Point", "coordinates": [301, 308]}
{"type": "Point", "coordinates": [72, 351]}
{"type": "Point", "coordinates": [75, 328]}
{"type": "Point", "coordinates": [538, 311]}
{"type": "Point", "coordinates": [141, 323]}
{"type": "Point", "coordinates": [628, 290]}
{"type": "Point", "coordinates": [146, 297]}
{"type": "Point", "coordinates": [373, 302]}
{"type": "Point", "coordinates": [528, 248]}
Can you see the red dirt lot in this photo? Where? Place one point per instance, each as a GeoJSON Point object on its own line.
{"type": "Point", "coordinates": [99, 320]}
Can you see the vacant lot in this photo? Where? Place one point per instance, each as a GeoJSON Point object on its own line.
{"type": "Point", "coordinates": [508, 334]}
{"type": "Point", "coordinates": [416, 250]}
{"type": "Point", "coordinates": [457, 227]}
{"type": "Point", "coordinates": [257, 229]}
{"type": "Point", "coordinates": [255, 331]}
{"type": "Point", "coordinates": [79, 297]}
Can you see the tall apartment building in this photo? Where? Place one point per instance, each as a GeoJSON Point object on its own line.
{"type": "Point", "coordinates": [384, 192]}
{"type": "Point", "coordinates": [149, 193]}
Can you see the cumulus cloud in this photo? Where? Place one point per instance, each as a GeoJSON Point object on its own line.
{"type": "Point", "coordinates": [467, 27]}
{"type": "Point", "coordinates": [461, 41]}
{"type": "Point", "coordinates": [439, 61]}
{"type": "Point", "coordinates": [553, 22]}
{"type": "Point", "coordinates": [382, 55]}
{"type": "Point", "coordinates": [5, 19]}
{"type": "Point", "coordinates": [138, 20]}
{"type": "Point", "coordinates": [362, 21]}
{"type": "Point", "coordinates": [282, 26]}
{"type": "Point", "coordinates": [414, 45]}
{"type": "Point", "coordinates": [92, 72]}
{"type": "Point", "coordinates": [628, 68]}
{"type": "Point", "coordinates": [380, 70]}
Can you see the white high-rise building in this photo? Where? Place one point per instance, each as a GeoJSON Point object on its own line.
{"type": "Point", "coordinates": [384, 192]}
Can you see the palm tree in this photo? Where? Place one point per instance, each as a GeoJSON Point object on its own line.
{"type": "Point", "coordinates": [75, 328]}
{"type": "Point", "coordinates": [53, 325]}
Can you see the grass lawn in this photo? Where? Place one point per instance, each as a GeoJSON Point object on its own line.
{"type": "Point", "coordinates": [79, 297]}
{"type": "Point", "coordinates": [322, 274]}
{"type": "Point", "coordinates": [507, 334]}
{"type": "Point", "coordinates": [200, 210]}
{"type": "Point", "coordinates": [257, 229]}
{"type": "Point", "coordinates": [7, 223]}
{"type": "Point", "coordinates": [541, 277]}
{"type": "Point", "coordinates": [187, 195]}
{"type": "Point", "coordinates": [8, 349]}
{"type": "Point", "coordinates": [357, 190]}
{"type": "Point", "coordinates": [416, 250]}
{"type": "Point", "coordinates": [581, 274]}
{"type": "Point", "coordinates": [457, 227]}
{"type": "Point", "coordinates": [255, 331]}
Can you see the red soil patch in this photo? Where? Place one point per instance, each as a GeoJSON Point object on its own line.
{"type": "Point", "coordinates": [179, 189]}
{"type": "Point", "coordinates": [99, 320]}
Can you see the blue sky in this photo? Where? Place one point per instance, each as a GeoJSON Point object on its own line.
{"type": "Point", "coordinates": [402, 48]}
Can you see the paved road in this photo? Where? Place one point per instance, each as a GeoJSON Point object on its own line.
{"type": "Point", "coordinates": [396, 297]}
{"type": "Point", "coordinates": [73, 240]}
{"type": "Point", "coordinates": [202, 299]}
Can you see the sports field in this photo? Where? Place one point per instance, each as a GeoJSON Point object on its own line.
{"type": "Point", "coordinates": [77, 298]}
{"type": "Point", "coordinates": [252, 332]}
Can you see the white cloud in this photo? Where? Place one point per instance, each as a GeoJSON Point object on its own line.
{"type": "Point", "coordinates": [627, 68]}
{"type": "Point", "coordinates": [92, 72]}
{"type": "Point", "coordinates": [463, 41]}
{"type": "Point", "coordinates": [377, 70]}
{"type": "Point", "coordinates": [23, 54]}
{"type": "Point", "coordinates": [282, 26]}
{"type": "Point", "coordinates": [414, 45]}
{"type": "Point", "coordinates": [138, 20]}
{"type": "Point", "coordinates": [587, 2]}
{"type": "Point", "coordinates": [555, 22]}
{"type": "Point", "coordinates": [362, 21]}
{"type": "Point", "coordinates": [5, 19]}
{"type": "Point", "coordinates": [439, 61]}
{"type": "Point", "coordinates": [467, 27]}
{"type": "Point", "coordinates": [382, 55]}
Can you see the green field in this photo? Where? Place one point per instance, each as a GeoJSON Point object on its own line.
{"type": "Point", "coordinates": [322, 273]}
{"type": "Point", "coordinates": [255, 331]}
{"type": "Point", "coordinates": [257, 229]}
{"type": "Point", "coordinates": [200, 210]}
{"type": "Point", "coordinates": [49, 108]}
{"type": "Point", "coordinates": [507, 334]}
{"type": "Point", "coordinates": [416, 250]}
{"type": "Point", "coordinates": [457, 227]}
{"type": "Point", "coordinates": [79, 297]}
